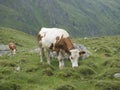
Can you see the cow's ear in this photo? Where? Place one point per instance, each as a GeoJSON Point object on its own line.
{"type": "Point", "coordinates": [81, 52]}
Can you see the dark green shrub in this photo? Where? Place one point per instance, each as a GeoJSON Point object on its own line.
{"type": "Point", "coordinates": [104, 49]}
{"type": "Point", "coordinates": [45, 65]}
{"type": "Point", "coordinates": [115, 63]}
{"type": "Point", "coordinates": [48, 72]}
{"type": "Point", "coordinates": [6, 70]}
{"type": "Point", "coordinates": [112, 63]}
{"type": "Point", "coordinates": [65, 87]}
{"type": "Point", "coordinates": [66, 72]}
{"type": "Point", "coordinates": [86, 71]}
{"type": "Point", "coordinates": [1, 76]}
{"type": "Point", "coordinates": [108, 85]}
{"type": "Point", "coordinates": [32, 69]}
{"type": "Point", "coordinates": [109, 73]}
{"type": "Point", "coordinates": [90, 63]}
{"type": "Point", "coordinates": [9, 86]}
{"type": "Point", "coordinates": [7, 63]}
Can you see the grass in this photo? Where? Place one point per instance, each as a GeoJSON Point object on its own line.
{"type": "Point", "coordinates": [93, 73]}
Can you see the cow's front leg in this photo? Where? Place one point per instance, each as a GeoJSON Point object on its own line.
{"type": "Point", "coordinates": [61, 60]}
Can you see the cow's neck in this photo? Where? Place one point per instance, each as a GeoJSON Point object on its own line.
{"type": "Point", "coordinates": [69, 45]}
{"type": "Point", "coordinates": [64, 44]}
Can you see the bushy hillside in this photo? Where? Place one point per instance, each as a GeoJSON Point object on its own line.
{"type": "Point", "coordinates": [21, 39]}
{"type": "Point", "coordinates": [94, 73]}
{"type": "Point", "coordinates": [79, 17]}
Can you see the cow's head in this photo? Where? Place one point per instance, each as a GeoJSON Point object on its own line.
{"type": "Point", "coordinates": [74, 56]}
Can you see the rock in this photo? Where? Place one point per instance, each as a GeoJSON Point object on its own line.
{"type": "Point", "coordinates": [116, 75]}
{"type": "Point", "coordinates": [83, 48]}
{"type": "Point", "coordinates": [4, 47]}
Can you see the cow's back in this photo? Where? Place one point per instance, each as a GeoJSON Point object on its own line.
{"type": "Point", "coordinates": [53, 32]}
{"type": "Point", "coordinates": [49, 35]}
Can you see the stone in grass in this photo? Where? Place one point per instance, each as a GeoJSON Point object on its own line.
{"type": "Point", "coordinates": [116, 75]}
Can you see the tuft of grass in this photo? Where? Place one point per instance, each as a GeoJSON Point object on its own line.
{"type": "Point", "coordinates": [6, 85]}
{"type": "Point", "coordinates": [112, 63]}
{"type": "Point", "coordinates": [66, 73]}
{"type": "Point", "coordinates": [108, 85]}
{"type": "Point", "coordinates": [5, 63]}
{"type": "Point", "coordinates": [86, 71]}
{"type": "Point", "coordinates": [109, 73]}
{"type": "Point", "coordinates": [65, 87]}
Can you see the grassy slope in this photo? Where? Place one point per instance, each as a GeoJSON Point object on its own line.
{"type": "Point", "coordinates": [22, 39]}
{"type": "Point", "coordinates": [94, 73]}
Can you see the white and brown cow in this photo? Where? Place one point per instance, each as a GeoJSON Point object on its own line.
{"type": "Point", "coordinates": [58, 40]}
{"type": "Point", "coordinates": [12, 47]}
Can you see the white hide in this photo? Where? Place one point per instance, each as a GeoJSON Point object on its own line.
{"type": "Point", "coordinates": [49, 35]}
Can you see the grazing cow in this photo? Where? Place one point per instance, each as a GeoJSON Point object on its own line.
{"type": "Point", "coordinates": [58, 40]}
{"type": "Point", "coordinates": [12, 47]}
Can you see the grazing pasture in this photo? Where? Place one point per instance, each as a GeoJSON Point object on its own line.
{"type": "Point", "coordinates": [24, 71]}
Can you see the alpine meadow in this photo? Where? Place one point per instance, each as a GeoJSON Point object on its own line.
{"type": "Point", "coordinates": [95, 24]}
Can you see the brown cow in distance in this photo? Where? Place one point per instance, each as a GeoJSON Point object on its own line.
{"type": "Point", "coordinates": [12, 47]}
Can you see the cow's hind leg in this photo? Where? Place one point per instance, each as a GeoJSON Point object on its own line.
{"type": "Point", "coordinates": [41, 54]}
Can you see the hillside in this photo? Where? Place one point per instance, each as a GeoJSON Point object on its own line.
{"type": "Point", "coordinates": [79, 17]}
{"type": "Point", "coordinates": [21, 39]}
{"type": "Point", "coordinates": [94, 73]}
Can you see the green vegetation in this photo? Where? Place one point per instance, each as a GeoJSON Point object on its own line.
{"type": "Point", "coordinates": [21, 39]}
{"type": "Point", "coordinates": [79, 17]}
{"type": "Point", "coordinates": [94, 73]}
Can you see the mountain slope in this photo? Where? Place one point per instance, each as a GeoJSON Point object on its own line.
{"type": "Point", "coordinates": [78, 17]}
{"type": "Point", "coordinates": [21, 39]}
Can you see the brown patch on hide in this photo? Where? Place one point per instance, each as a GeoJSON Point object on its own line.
{"type": "Point", "coordinates": [69, 43]}
{"type": "Point", "coordinates": [39, 37]}
{"type": "Point", "coordinates": [12, 46]}
{"type": "Point", "coordinates": [64, 44]}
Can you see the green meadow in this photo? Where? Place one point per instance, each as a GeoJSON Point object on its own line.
{"type": "Point", "coordinates": [94, 73]}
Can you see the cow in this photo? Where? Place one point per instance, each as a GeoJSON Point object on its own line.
{"type": "Point", "coordinates": [58, 40]}
{"type": "Point", "coordinates": [12, 47]}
